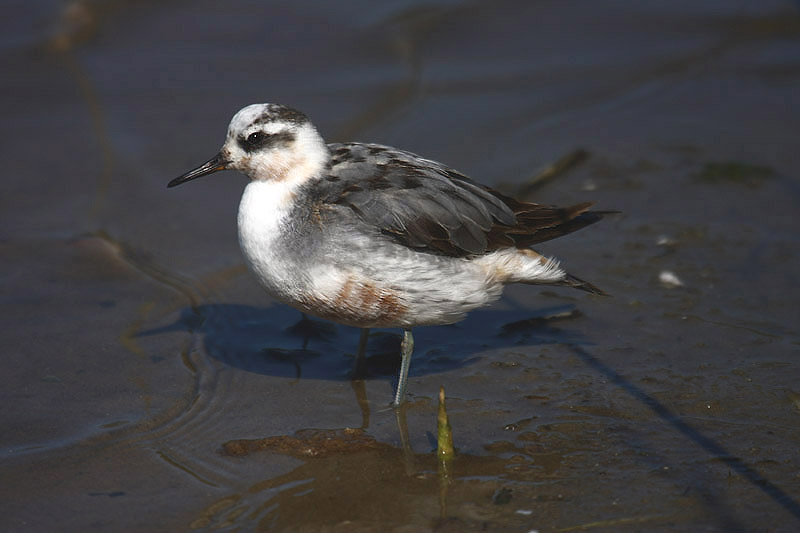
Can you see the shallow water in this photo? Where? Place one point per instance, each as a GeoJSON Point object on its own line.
{"type": "Point", "coordinates": [140, 355]}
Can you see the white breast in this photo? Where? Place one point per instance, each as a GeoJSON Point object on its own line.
{"type": "Point", "coordinates": [262, 215]}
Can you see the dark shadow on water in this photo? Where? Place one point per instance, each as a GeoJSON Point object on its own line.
{"type": "Point", "coordinates": [712, 447]}
{"type": "Point", "coordinates": [279, 341]}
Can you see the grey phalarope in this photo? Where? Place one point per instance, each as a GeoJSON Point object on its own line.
{"type": "Point", "coordinates": [371, 236]}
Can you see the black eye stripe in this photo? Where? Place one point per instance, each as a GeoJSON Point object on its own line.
{"type": "Point", "coordinates": [258, 140]}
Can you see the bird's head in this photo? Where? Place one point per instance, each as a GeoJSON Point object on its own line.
{"type": "Point", "coordinates": [267, 142]}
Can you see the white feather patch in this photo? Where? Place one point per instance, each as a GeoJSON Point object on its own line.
{"type": "Point", "coordinates": [512, 265]}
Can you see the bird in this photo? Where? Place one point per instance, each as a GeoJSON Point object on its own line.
{"type": "Point", "coordinates": [372, 236]}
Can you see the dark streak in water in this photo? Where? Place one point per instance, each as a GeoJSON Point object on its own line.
{"type": "Point", "coordinates": [774, 492]}
{"type": "Point", "coordinates": [182, 468]}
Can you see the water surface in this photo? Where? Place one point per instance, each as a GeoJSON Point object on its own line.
{"type": "Point", "coordinates": [137, 348]}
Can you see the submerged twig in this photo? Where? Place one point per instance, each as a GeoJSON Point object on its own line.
{"type": "Point", "coordinates": [445, 453]}
{"type": "Point", "coordinates": [444, 432]}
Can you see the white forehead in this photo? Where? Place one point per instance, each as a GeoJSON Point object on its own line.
{"type": "Point", "coordinates": [270, 118]}
{"type": "Point", "coordinates": [247, 116]}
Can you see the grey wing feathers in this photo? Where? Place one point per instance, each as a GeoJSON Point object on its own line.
{"type": "Point", "coordinates": [430, 207]}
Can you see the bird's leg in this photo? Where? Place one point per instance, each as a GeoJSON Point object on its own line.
{"type": "Point", "coordinates": [358, 364]}
{"type": "Point", "coordinates": [362, 342]}
{"type": "Point", "coordinates": [406, 349]}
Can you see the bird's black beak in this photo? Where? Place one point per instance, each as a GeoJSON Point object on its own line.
{"type": "Point", "coordinates": [218, 162]}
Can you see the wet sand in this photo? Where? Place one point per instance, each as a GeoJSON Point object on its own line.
{"type": "Point", "coordinates": [150, 385]}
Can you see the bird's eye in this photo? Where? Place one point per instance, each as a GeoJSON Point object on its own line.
{"type": "Point", "coordinates": [255, 141]}
{"type": "Point", "coordinates": [256, 137]}
{"type": "Point", "coordinates": [261, 140]}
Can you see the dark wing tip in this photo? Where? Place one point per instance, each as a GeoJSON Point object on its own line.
{"type": "Point", "coordinates": [577, 283]}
